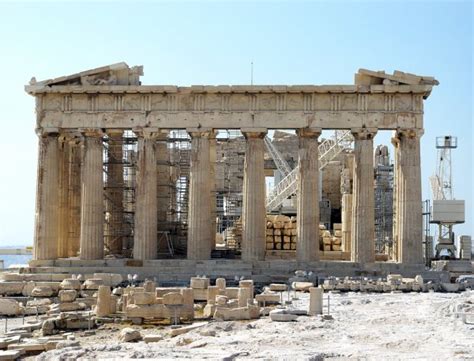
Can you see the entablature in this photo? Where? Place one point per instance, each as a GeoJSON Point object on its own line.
{"type": "Point", "coordinates": [113, 97]}
{"type": "Point", "coordinates": [233, 102]}
{"type": "Point", "coordinates": [231, 120]}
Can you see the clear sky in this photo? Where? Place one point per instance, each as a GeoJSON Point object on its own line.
{"type": "Point", "coordinates": [213, 43]}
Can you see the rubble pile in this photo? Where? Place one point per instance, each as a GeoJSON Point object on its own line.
{"type": "Point", "coordinates": [393, 282]}
{"type": "Point", "coordinates": [86, 305]}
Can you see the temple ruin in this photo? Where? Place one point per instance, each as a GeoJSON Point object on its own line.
{"type": "Point", "coordinates": [171, 181]}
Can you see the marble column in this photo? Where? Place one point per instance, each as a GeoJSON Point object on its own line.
{"type": "Point", "coordinates": [409, 217]}
{"type": "Point", "coordinates": [75, 157]}
{"type": "Point", "coordinates": [92, 197]}
{"type": "Point", "coordinates": [396, 197]}
{"type": "Point", "coordinates": [346, 203]}
{"type": "Point", "coordinates": [307, 248]}
{"type": "Point", "coordinates": [363, 218]}
{"type": "Point", "coordinates": [47, 198]}
{"type": "Point", "coordinates": [113, 232]}
{"type": "Point", "coordinates": [346, 217]}
{"type": "Point", "coordinates": [253, 210]}
{"type": "Point", "coordinates": [146, 202]}
{"type": "Point", "coordinates": [213, 158]}
{"type": "Point", "coordinates": [63, 211]}
{"type": "Point", "coordinates": [163, 188]}
{"type": "Point", "coordinates": [199, 208]}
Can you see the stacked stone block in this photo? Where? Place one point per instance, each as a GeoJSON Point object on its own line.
{"type": "Point", "coordinates": [281, 233]}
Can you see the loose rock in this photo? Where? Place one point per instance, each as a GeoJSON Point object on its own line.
{"type": "Point", "coordinates": [129, 334]}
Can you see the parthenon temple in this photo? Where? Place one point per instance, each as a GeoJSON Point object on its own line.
{"type": "Point", "coordinates": [257, 179]}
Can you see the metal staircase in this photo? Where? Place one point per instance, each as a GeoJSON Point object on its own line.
{"type": "Point", "coordinates": [328, 150]}
{"type": "Point", "coordinates": [280, 162]}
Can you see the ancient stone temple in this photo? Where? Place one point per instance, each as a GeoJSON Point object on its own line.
{"type": "Point", "coordinates": [129, 174]}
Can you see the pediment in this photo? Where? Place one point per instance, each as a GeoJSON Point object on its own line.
{"type": "Point", "coordinates": [370, 77]}
{"type": "Point", "coordinates": [114, 74]}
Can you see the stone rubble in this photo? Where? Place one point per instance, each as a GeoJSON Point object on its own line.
{"type": "Point", "coordinates": [10, 307]}
{"type": "Point", "coordinates": [129, 335]}
{"type": "Point", "coordinates": [85, 305]}
{"type": "Point", "coordinates": [282, 315]}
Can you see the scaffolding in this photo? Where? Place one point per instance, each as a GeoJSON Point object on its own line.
{"type": "Point", "coordinates": [119, 166]}
{"type": "Point", "coordinates": [173, 167]}
{"type": "Point", "coordinates": [230, 153]}
{"type": "Point", "coordinates": [383, 197]}
{"type": "Point", "coordinates": [327, 150]}
{"type": "Point", "coordinates": [179, 149]}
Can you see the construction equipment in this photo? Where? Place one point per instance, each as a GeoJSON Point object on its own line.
{"type": "Point", "coordinates": [328, 150]}
{"type": "Point", "coordinates": [280, 162]}
{"type": "Point", "coordinates": [445, 210]}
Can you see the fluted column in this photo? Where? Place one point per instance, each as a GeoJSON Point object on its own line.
{"type": "Point", "coordinates": [146, 202]}
{"type": "Point", "coordinates": [346, 203]}
{"type": "Point", "coordinates": [114, 193]}
{"type": "Point", "coordinates": [199, 209]}
{"type": "Point", "coordinates": [253, 210]}
{"type": "Point", "coordinates": [63, 211]}
{"type": "Point", "coordinates": [163, 188]}
{"type": "Point", "coordinates": [92, 197]}
{"type": "Point", "coordinates": [363, 218]}
{"type": "Point", "coordinates": [409, 217]}
{"type": "Point", "coordinates": [307, 248]}
{"type": "Point", "coordinates": [346, 220]}
{"type": "Point", "coordinates": [75, 158]}
{"type": "Point", "coordinates": [212, 186]}
{"type": "Point", "coordinates": [47, 198]}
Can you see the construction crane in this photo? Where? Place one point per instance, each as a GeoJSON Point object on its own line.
{"type": "Point", "coordinates": [328, 150]}
{"type": "Point", "coordinates": [445, 211]}
{"type": "Point", "coordinates": [442, 181]}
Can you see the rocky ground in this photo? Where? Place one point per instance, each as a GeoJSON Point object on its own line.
{"type": "Point", "coordinates": [415, 326]}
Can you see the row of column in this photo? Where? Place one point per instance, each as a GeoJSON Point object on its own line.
{"type": "Point", "coordinates": [60, 231]}
{"type": "Point", "coordinates": [69, 203]}
{"type": "Point", "coordinates": [58, 201]}
{"type": "Point", "coordinates": [360, 216]}
{"type": "Point", "coordinates": [407, 203]}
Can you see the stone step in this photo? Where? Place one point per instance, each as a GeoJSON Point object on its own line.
{"type": "Point", "coordinates": [180, 270]}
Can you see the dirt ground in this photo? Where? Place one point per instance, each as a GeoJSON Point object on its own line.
{"type": "Point", "coordinates": [396, 326]}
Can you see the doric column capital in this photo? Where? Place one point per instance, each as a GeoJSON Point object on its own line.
{"type": "Point", "coordinates": [75, 138]}
{"type": "Point", "coordinates": [253, 133]}
{"type": "Point", "coordinates": [46, 132]}
{"type": "Point", "coordinates": [69, 136]}
{"type": "Point", "coordinates": [92, 132]}
{"type": "Point", "coordinates": [200, 132]}
{"type": "Point", "coordinates": [308, 132]}
{"type": "Point", "coordinates": [149, 133]}
{"type": "Point", "coordinates": [364, 133]}
{"type": "Point", "coordinates": [409, 133]}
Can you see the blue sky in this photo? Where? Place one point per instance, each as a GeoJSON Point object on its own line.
{"type": "Point", "coordinates": [213, 43]}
